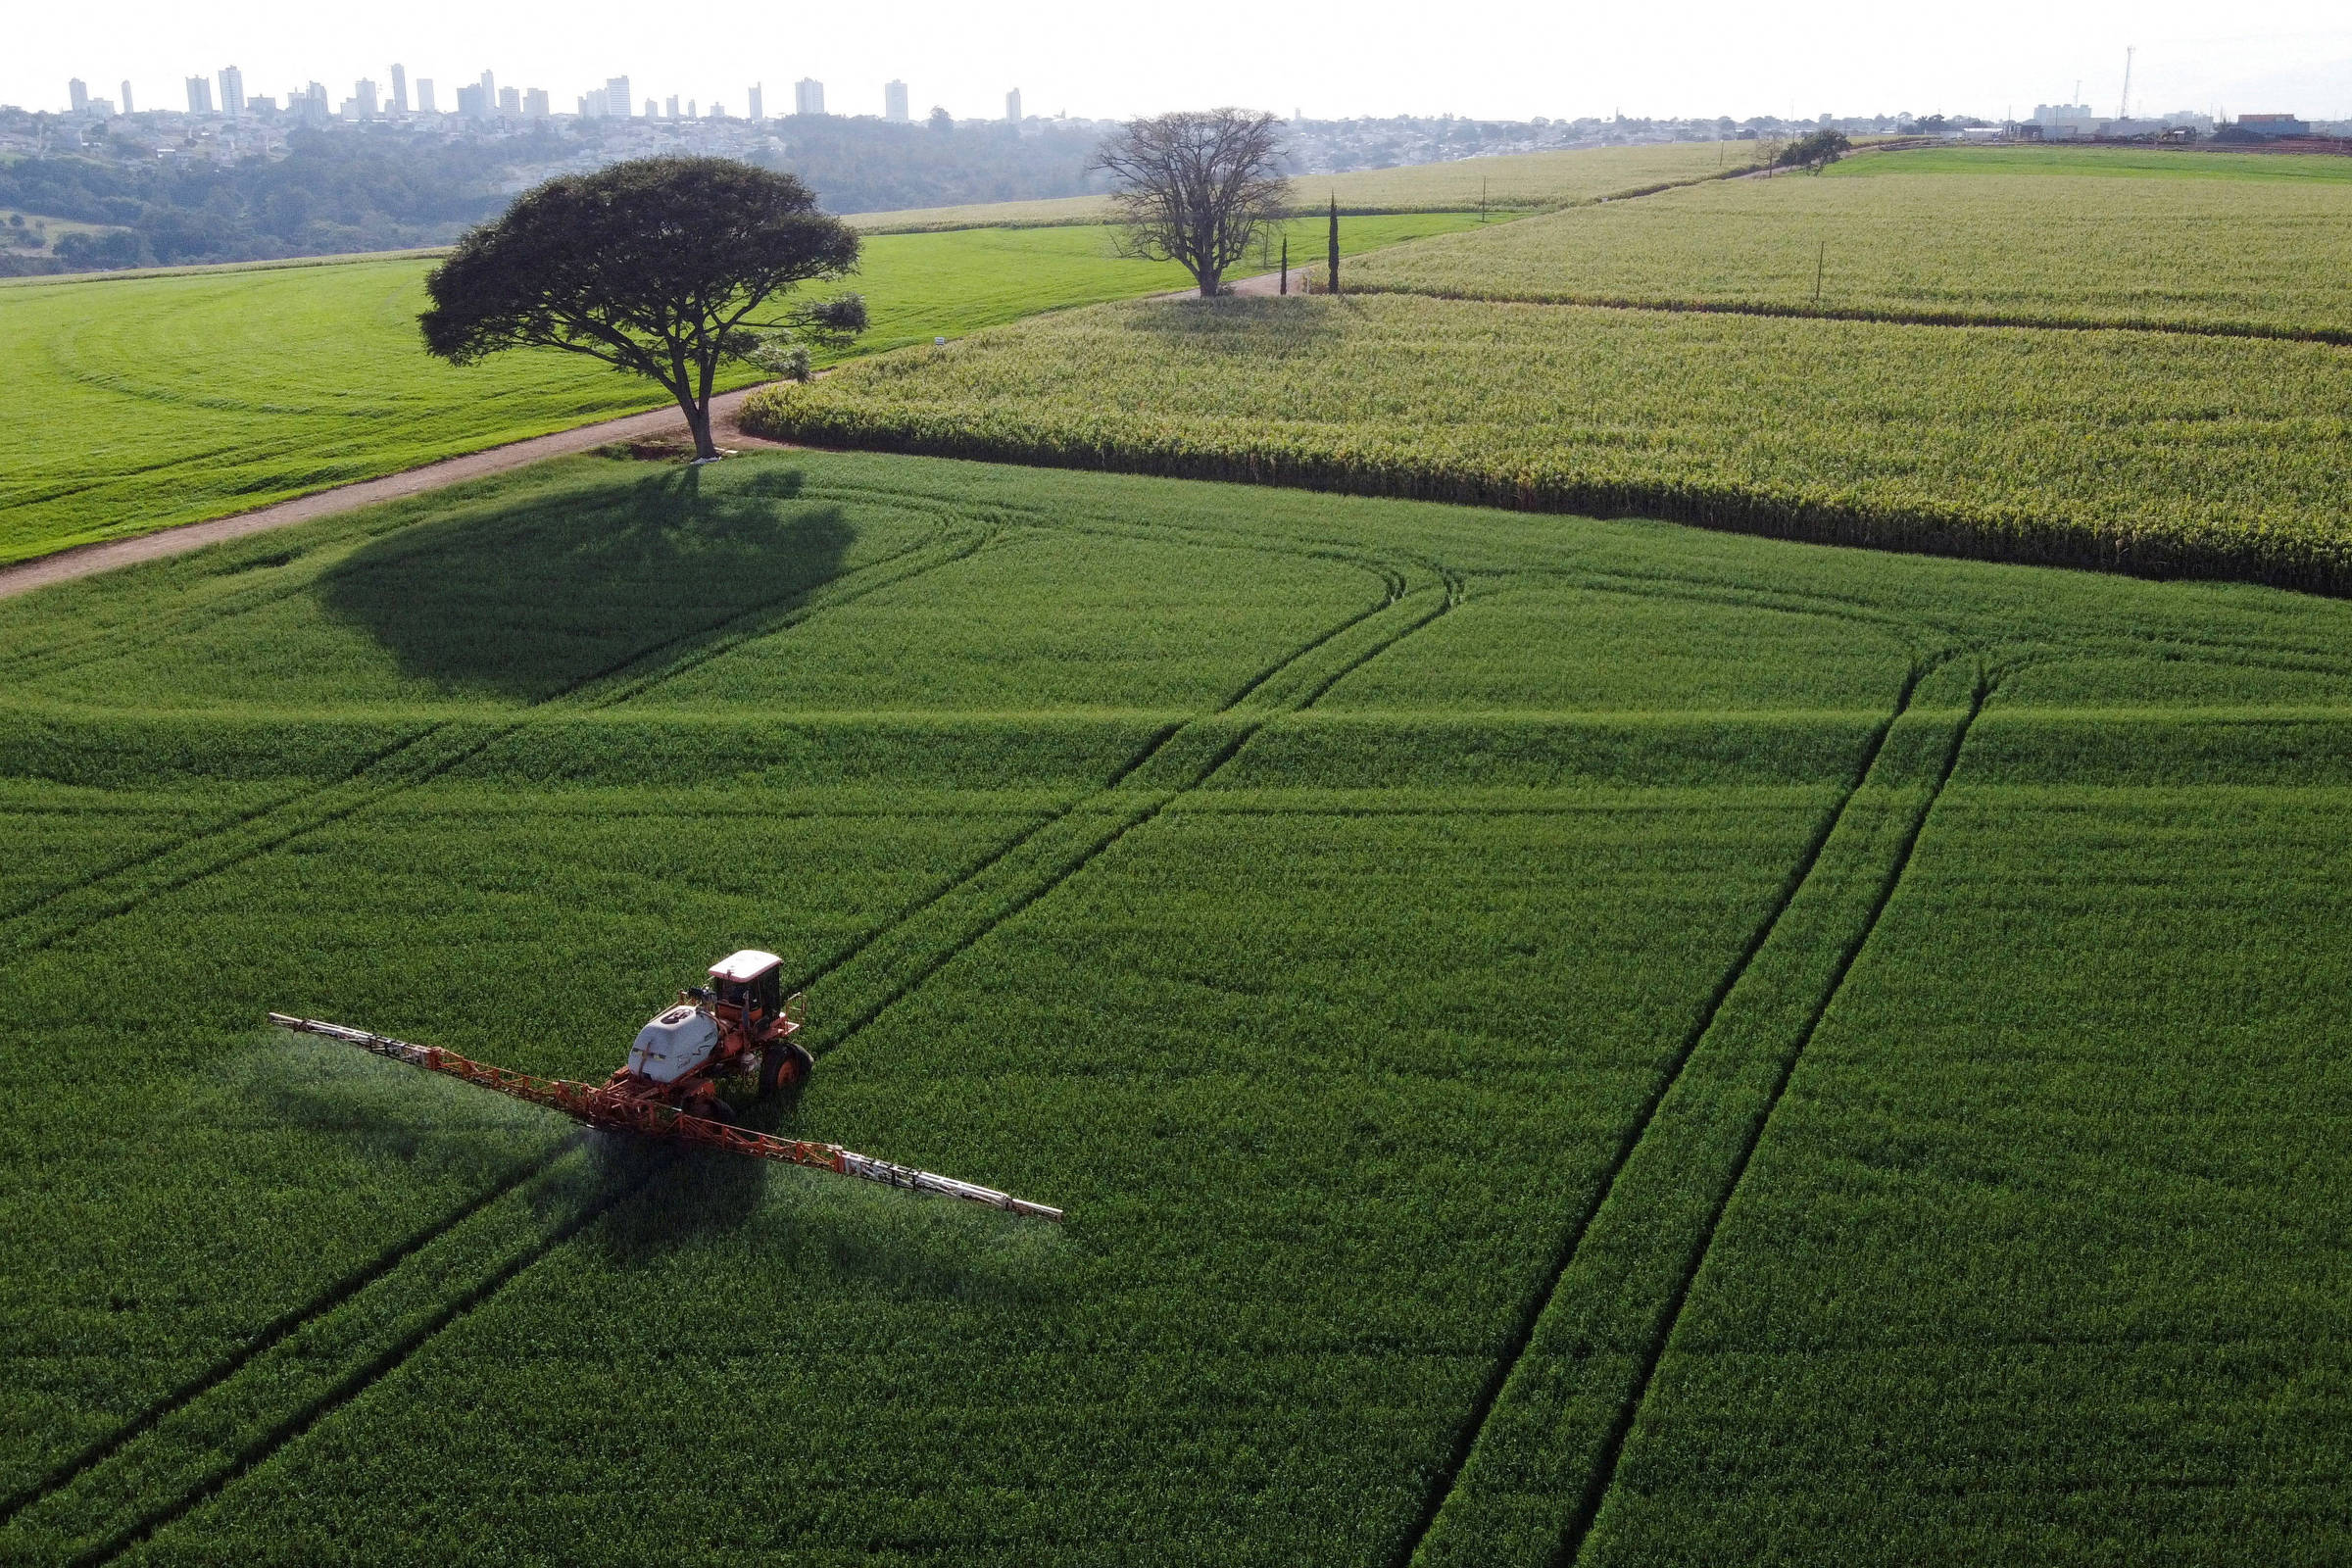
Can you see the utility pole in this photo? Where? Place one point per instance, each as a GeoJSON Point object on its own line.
{"type": "Point", "coordinates": [2124, 110]}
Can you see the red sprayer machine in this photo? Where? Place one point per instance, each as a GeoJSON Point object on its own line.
{"type": "Point", "coordinates": [739, 1024]}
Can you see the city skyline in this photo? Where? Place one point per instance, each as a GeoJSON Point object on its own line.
{"type": "Point", "coordinates": [1565, 60]}
{"type": "Point", "coordinates": [483, 99]}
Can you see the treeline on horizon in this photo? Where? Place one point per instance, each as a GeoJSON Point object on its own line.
{"type": "Point", "coordinates": [384, 188]}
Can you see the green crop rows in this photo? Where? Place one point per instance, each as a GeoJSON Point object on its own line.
{"type": "Point", "coordinates": [1911, 236]}
{"type": "Point", "coordinates": [1558, 1039]}
{"type": "Point", "coordinates": [134, 404]}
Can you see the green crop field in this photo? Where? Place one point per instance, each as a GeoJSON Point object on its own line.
{"type": "Point", "coordinates": [1559, 1039]}
{"type": "Point", "coordinates": [134, 404]}
{"type": "Point", "coordinates": [2234, 243]}
{"type": "Point", "coordinates": [1519, 180]}
{"type": "Point", "coordinates": [2147, 451]}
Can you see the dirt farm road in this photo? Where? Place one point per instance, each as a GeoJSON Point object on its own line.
{"type": "Point", "coordinates": [83, 561]}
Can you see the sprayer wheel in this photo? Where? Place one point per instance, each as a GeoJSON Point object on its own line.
{"type": "Point", "coordinates": [786, 1065]}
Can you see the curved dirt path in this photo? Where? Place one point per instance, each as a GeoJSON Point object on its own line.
{"type": "Point", "coordinates": [83, 561]}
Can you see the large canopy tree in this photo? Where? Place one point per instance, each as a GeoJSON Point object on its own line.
{"type": "Point", "coordinates": [659, 267]}
{"type": "Point", "coordinates": [1196, 189]}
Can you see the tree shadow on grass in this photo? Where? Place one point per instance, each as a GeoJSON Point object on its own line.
{"type": "Point", "coordinates": [1260, 327]}
{"type": "Point", "coordinates": [527, 601]}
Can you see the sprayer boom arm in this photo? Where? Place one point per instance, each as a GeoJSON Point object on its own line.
{"type": "Point", "coordinates": [651, 1119]}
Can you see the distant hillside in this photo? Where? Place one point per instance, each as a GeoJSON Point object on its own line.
{"type": "Point", "coordinates": [396, 187]}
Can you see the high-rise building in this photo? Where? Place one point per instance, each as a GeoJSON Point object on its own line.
{"type": "Point", "coordinates": [400, 90]}
{"type": "Point", "coordinates": [200, 95]}
{"type": "Point", "coordinates": [893, 101]}
{"type": "Point", "coordinates": [673, 106]}
{"type": "Point", "coordinates": [126, 109]}
{"type": "Point", "coordinates": [1012, 106]}
{"type": "Point", "coordinates": [489, 96]}
{"type": "Point", "coordinates": [232, 91]}
{"type": "Point", "coordinates": [691, 113]}
{"type": "Point", "coordinates": [424, 96]}
{"type": "Point", "coordinates": [653, 110]}
{"type": "Point", "coordinates": [616, 97]}
{"type": "Point", "coordinates": [593, 104]}
{"type": "Point", "coordinates": [77, 94]}
{"type": "Point", "coordinates": [534, 102]}
{"type": "Point", "coordinates": [510, 102]}
{"type": "Point", "coordinates": [757, 106]}
{"type": "Point", "coordinates": [808, 96]}
{"type": "Point", "coordinates": [474, 102]}
{"type": "Point", "coordinates": [363, 93]}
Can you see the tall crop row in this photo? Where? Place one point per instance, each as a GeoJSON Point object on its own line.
{"type": "Point", "coordinates": [2125, 451]}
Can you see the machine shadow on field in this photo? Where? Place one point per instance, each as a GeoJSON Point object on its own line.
{"type": "Point", "coordinates": [819, 1225]}
{"type": "Point", "coordinates": [392, 1117]}
{"type": "Point", "coordinates": [531, 600]}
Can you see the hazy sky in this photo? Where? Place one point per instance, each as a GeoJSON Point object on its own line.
{"type": "Point", "coordinates": [1327, 58]}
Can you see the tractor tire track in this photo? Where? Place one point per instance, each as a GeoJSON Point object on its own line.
{"type": "Point", "coordinates": [1058, 867]}
{"type": "Point", "coordinates": [268, 1337]}
{"type": "Point", "coordinates": [1397, 588]}
{"type": "Point", "coordinates": [309, 810]}
{"type": "Point", "coordinates": [360, 1279]}
{"type": "Point", "coordinates": [226, 1467]}
{"type": "Point", "coordinates": [1445, 1528]}
{"type": "Point", "coordinates": [1604, 1479]}
{"type": "Point", "coordinates": [353, 1290]}
{"type": "Point", "coordinates": [1395, 585]}
{"type": "Point", "coordinates": [718, 637]}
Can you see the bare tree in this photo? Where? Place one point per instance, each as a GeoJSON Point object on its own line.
{"type": "Point", "coordinates": [1196, 189]}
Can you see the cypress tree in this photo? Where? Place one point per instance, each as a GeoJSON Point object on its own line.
{"type": "Point", "coordinates": [1335, 242]}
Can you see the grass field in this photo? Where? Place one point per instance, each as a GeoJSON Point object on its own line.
{"type": "Point", "coordinates": [2146, 451]}
{"type": "Point", "coordinates": [135, 403]}
{"type": "Point", "coordinates": [2202, 241]}
{"type": "Point", "coordinates": [1558, 1039]}
{"type": "Point", "coordinates": [1525, 181]}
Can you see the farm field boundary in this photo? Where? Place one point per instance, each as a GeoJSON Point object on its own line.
{"type": "Point", "coordinates": [2145, 453]}
{"type": "Point", "coordinates": [2338, 336]}
{"type": "Point", "coordinates": [109, 555]}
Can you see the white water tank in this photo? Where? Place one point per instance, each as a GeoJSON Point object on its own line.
{"type": "Point", "coordinates": [673, 1044]}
